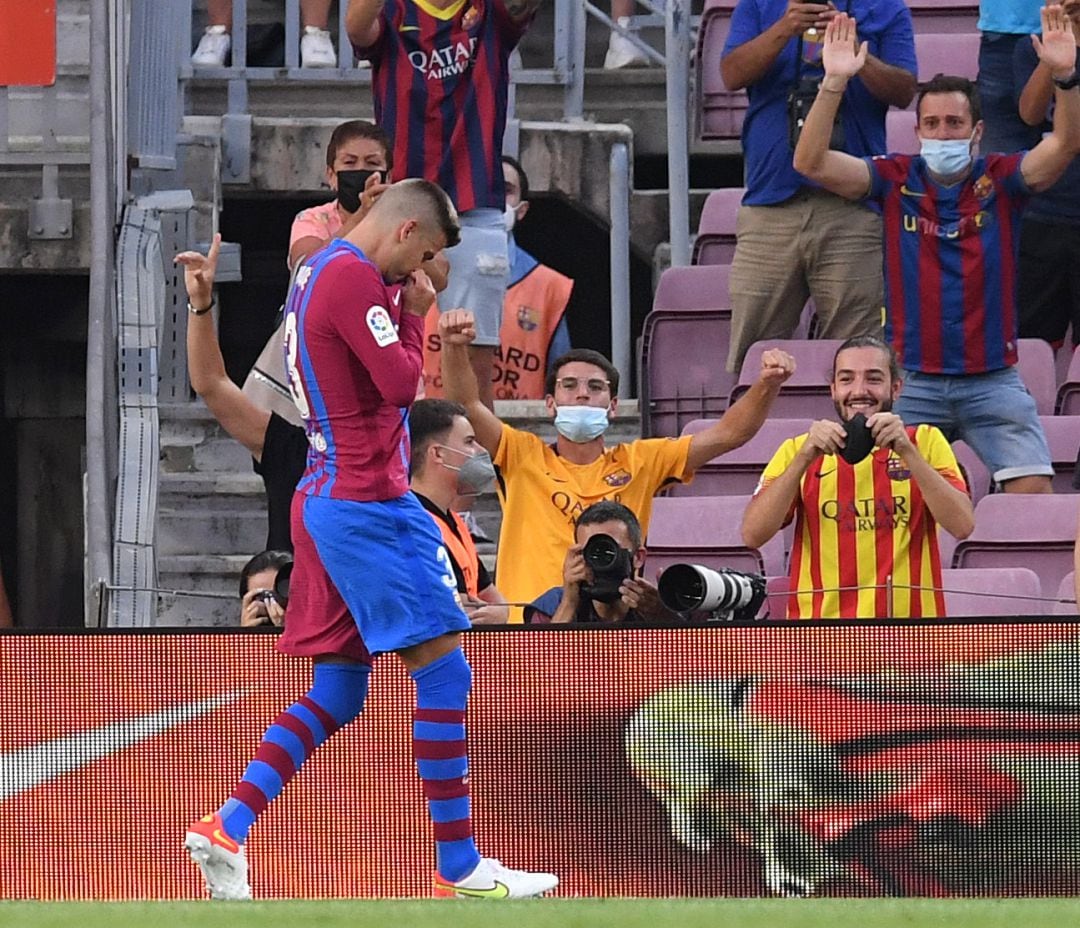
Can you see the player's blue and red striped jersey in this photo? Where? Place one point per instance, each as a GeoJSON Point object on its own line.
{"type": "Point", "coordinates": [950, 262]}
{"type": "Point", "coordinates": [440, 80]}
{"type": "Point", "coordinates": [353, 361]}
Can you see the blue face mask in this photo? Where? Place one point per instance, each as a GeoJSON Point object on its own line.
{"type": "Point", "coordinates": [946, 157]}
{"type": "Point", "coordinates": [581, 423]}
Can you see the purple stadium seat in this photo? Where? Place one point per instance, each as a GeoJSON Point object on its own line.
{"type": "Point", "coordinates": [683, 349]}
{"type": "Point", "coordinates": [707, 530]}
{"type": "Point", "coordinates": [975, 472]}
{"type": "Point", "coordinates": [944, 15]}
{"type": "Point", "coordinates": [1066, 596]}
{"type": "Point", "coordinates": [950, 53]}
{"type": "Point", "coordinates": [1063, 437]}
{"type": "Point", "coordinates": [682, 355]}
{"type": "Point", "coordinates": [806, 394]}
{"type": "Point", "coordinates": [1068, 397]}
{"type": "Point", "coordinates": [715, 242]}
{"type": "Point", "coordinates": [776, 597]}
{"type": "Point", "coordinates": [1036, 369]}
{"type": "Point", "coordinates": [1063, 358]}
{"type": "Point", "coordinates": [737, 473]}
{"type": "Point", "coordinates": [1033, 530]}
{"type": "Point", "coordinates": [997, 591]}
{"type": "Point", "coordinates": [689, 288]}
{"type": "Point", "coordinates": [718, 112]}
{"type": "Point", "coordinates": [900, 133]}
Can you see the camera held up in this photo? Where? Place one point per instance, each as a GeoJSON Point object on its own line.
{"type": "Point", "coordinates": [724, 593]}
{"type": "Point", "coordinates": [610, 565]}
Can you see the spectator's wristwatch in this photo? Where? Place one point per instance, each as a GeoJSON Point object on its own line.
{"type": "Point", "coordinates": [1069, 82]}
{"type": "Point", "coordinates": [200, 312]}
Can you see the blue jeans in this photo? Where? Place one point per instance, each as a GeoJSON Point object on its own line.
{"type": "Point", "coordinates": [1004, 130]}
{"type": "Point", "coordinates": [993, 413]}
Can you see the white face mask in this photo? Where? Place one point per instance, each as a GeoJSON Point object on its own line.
{"type": "Point", "coordinates": [580, 424]}
{"type": "Point", "coordinates": [510, 218]}
{"type": "Point", "coordinates": [946, 157]}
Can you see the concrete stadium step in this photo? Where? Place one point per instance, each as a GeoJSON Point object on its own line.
{"type": "Point", "coordinates": [193, 441]}
{"type": "Point", "coordinates": [207, 530]}
{"type": "Point", "coordinates": [206, 573]}
{"type": "Point", "coordinates": [232, 491]}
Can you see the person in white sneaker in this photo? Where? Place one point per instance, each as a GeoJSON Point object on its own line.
{"type": "Point", "coordinates": [316, 49]}
{"type": "Point", "coordinates": [622, 52]}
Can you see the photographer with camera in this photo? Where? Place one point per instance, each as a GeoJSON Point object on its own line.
{"type": "Point", "coordinates": [796, 240]}
{"type": "Point", "coordinates": [867, 494]}
{"type": "Point", "coordinates": [601, 574]}
{"type": "Point", "coordinates": [260, 603]}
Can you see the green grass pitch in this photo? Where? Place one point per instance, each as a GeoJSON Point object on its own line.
{"type": "Point", "coordinates": [552, 913]}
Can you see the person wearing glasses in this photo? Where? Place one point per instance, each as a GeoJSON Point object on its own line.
{"type": "Point", "coordinates": [543, 488]}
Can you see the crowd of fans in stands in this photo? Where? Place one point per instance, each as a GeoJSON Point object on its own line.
{"type": "Point", "coordinates": [929, 267]}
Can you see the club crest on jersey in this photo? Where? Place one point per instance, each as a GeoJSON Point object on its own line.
{"type": "Point", "coordinates": [896, 469]}
{"type": "Point", "coordinates": [448, 61]}
{"type": "Point", "coordinates": [618, 479]}
{"type": "Point", "coordinates": [471, 17]}
{"type": "Point", "coordinates": [381, 326]}
{"type": "Point", "coordinates": [984, 187]}
{"type": "Point", "coordinates": [528, 318]}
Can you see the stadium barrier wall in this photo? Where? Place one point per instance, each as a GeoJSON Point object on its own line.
{"type": "Point", "coordinates": [824, 758]}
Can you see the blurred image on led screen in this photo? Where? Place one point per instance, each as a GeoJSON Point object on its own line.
{"type": "Point", "coordinates": [803, 759]}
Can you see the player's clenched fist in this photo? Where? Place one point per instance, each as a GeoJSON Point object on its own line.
{"type": "Point", "coordinates": [457, 327]}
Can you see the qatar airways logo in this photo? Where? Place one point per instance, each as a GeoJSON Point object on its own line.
{"type": "Point", "coordinates": [448, 61]}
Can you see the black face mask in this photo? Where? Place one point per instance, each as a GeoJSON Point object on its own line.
{"type": "Point", "coordinates": [350, 184]}
{"type": "Point", "coordinates": [859, 440]}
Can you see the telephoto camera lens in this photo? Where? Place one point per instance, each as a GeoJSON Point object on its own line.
{"type": "Point", "coordinates": [725, 592]}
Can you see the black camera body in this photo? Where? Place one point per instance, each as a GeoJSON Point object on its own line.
{"type": "Point", "coordinates": [799, 101]}
{"type": "Point", "coordinates": [610, 565]}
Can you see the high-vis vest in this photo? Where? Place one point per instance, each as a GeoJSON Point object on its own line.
{"type": "Point", "coordinates": [534, 305]}
{"type": "Point", "coordinates": [461, 550]}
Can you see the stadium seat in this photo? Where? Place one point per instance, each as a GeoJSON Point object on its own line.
{"type": "Point", "coordinates": [1063, 437]}
{"type": "Point", "coordinates": [1063, 357]}
{"type": "Point", "coordinates": [1030, 529]}
{"type": "Point", "coordinates": [993, 591]}
{"type": "Point", "coordinates": [707, 530]}
{"type": "Point", "coordinates": [948, 53]}
{"type": "Point", "coordinates": [806, 394]}
{"type": "Point", "coordinates": [683, 377]}
{"type": "Point", "coordinates": [943, 15]}
{"type": "Point", "coordinates": [1066, 596]}
{"type": "Point", "coordinates": [718, 112]}
{"type": "Point", "coordinates": [738, 471]}
{"type": "Point", "coordinates": [715, 242]}
{"type": "Point", "coordinates": [975, 472]}
{"type": "Point", "coordinates": [689, 288]}
{"type": "Point", "coordinates": [1068, 396]}
{"type": "Point", "coordinates": [1035, 365]}
{"type": "Point", "coordinates": [776, 595]}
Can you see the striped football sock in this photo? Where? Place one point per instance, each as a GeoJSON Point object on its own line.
{"type": "Point", "coordinates": [442, 688]}
{"type": "Point", "coordinates": [335, 699]}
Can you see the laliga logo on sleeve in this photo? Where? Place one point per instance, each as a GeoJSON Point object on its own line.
{"type": "Point", "coordinates": [381, 326]}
